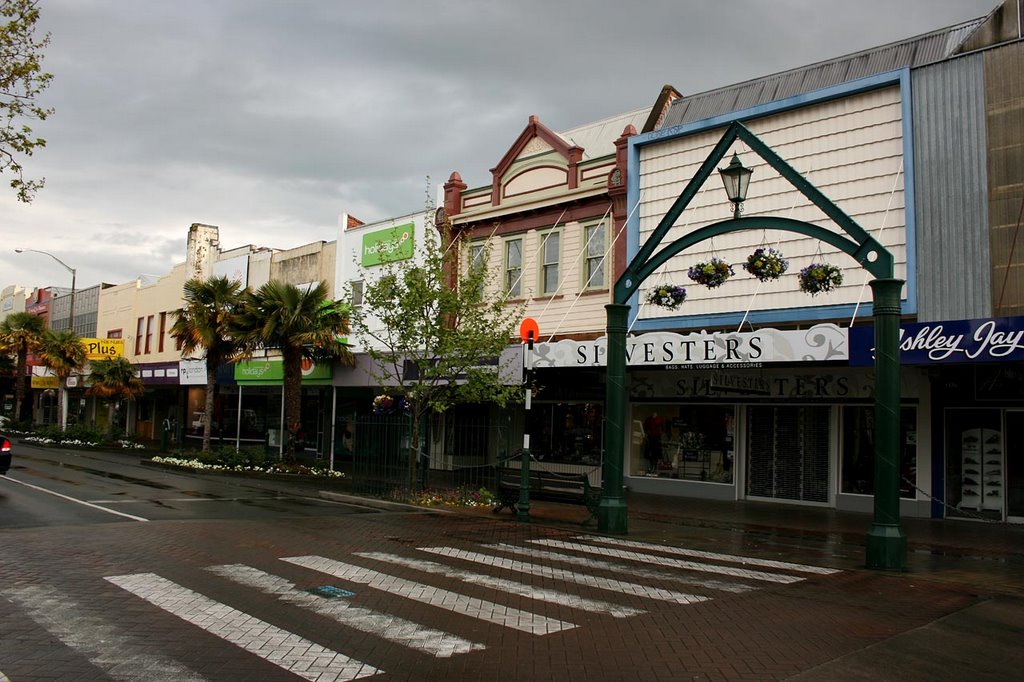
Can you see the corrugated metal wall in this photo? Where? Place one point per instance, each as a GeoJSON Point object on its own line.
{"type": "Point", "coordinates": [951, 190]}
{"type": "Point", "coordinates": [1004, 118]}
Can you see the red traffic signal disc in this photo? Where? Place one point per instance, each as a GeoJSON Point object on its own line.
{"type": "Point", "coordinates": [527, 328]}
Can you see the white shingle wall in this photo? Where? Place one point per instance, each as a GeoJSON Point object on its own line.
{"type": "Point", "coordinates": [850, 149]}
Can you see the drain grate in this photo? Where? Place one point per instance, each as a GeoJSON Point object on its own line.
{"type": "Point", "coordinates": [330, 592]}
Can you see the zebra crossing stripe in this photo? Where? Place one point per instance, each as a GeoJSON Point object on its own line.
{"type": "Point", "coordinates": [634, 571]}
{"type": "Point", "coordinates": [510, 586]}
{"type": "Point", "coordinates": [436, 643]}
{"type": "Point", "coordinates": [291, 652]}
{"type": "Point", "coordinates": [620, 586]}
{"type": "Point", "coordinates": [713, 556]}
{"type": "Point", "coordinates": [450, 601]}
{"type": "Point", "coordinates": [120, 656]}
{"type": "Point", "coordinates": [673, 563]}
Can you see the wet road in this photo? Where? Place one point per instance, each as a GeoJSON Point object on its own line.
{"type": "Point", "coordinates": [55, 487]}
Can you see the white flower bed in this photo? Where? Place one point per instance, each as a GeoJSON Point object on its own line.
{"type": "Point", "coordinates": [202, 466]}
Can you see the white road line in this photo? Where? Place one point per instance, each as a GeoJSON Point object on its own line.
{"type": "Point", "coordinates": [674, 563]}
{"type": "Point", "coordinates": [121, 656]}
{"type": "Point", "coordinates": [284, 649]}
{"type": "Point", "coordinates": [450, 601]}
{"type": "Point", "coordinates": [72, 499]}
{"type": "Point", "coordinates": [202, 499]}
{"type": "Point", "coordinates": [436, 643]}
{"type": "Point", "coordinates": [634, 571]}
{"type": "Point", "coordinates": [512, 587]}
{"type": "Point", "coordinates": [622, 587]}
{"type": "Point", "coordinates": [713, 556]}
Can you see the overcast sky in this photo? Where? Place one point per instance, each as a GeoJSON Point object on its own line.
{"type": "Point", "coordinates": [268, 118]}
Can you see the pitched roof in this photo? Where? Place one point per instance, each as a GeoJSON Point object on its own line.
{"type": "Point", "coordinates": [911, 52]}
{"type": "Point", "coordinates": [598, 138]}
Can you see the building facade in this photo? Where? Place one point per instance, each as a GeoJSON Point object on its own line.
{"type": "Point", "coordinates": [915, 141]}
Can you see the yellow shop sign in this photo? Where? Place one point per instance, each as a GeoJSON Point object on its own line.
{"type": "Point", "coordinates": [99, 349]}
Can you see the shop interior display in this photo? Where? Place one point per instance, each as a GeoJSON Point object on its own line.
{"type": "Point", "coordinates": [982, 472]}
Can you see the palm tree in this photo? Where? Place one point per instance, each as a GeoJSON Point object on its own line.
{"type": "Point", "coordinates": [299, 323]}
{"type": "Point", "coordinates": [63, 353]}
{"type": "Point", "coordinates": [204, 324]}
{"type": "Point", "coordinates": [20, 334]}
{"type": "Point", "coordinates": [114, 378]}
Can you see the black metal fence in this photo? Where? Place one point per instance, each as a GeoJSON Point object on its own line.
{"type": "Point", "coordinates": [458, 456]}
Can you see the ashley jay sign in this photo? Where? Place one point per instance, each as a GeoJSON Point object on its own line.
{"type": "Point", "coordinates": [997, 339]}
{"type": "Point", "coordinates": [821, 343]}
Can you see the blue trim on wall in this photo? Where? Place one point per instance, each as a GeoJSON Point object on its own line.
{"type": "Point", "coordinates": [900, 77]}
{"type": "Point", "coordinates": [758, 317]}
{"type": "Point", "coordinates": [909, 196]}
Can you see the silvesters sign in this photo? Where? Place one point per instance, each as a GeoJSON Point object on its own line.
{"type": "Point", "coordinates": [820, 343]}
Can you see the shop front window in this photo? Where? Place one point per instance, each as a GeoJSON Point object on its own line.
{"type": "Point", "coordinates": [568, 433]}
{"type": "Point", "coordinates": [687, 442]}
{"type": "Point", "coordinates": [975, 463]}
{"type": "Point", "coordinates": [859, 450]}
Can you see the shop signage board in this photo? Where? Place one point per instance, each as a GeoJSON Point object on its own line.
{"type": "Point", "coordinates": [820, 343]}
{"type": "Point", "coordinates": [272, 372]}
{"type": "Point", "coordinates": [814, 385]}
{"type": "Point", "coordinates": [159, 373]}
{"type": "Point", "coordinates": [102, 349]}
{"type": "Point", "coordinates": [387, 245]}
{"type": "Point", "coordinates": [993, 339]}
{"type": "Point", "coordinates": [192, 372]}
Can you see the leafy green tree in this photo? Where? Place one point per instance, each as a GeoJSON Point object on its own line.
{"type": "Point", "coordinates": [20, 334]}
{"type": "Point", "coordinates": [63, 353]}
{"type": "Point", "coordinates": [114, 379]}
{"type": "Point", "coordinates": [438, 319]}
{"type": "Point", "coordinates": [22, 80]}
{"type": "Point", "coordinates": [298, 322]}
{"type": "Point", "coordinates": [203, 325]}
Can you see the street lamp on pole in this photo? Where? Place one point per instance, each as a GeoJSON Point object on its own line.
{"type": "Point", "coordinates": [71, 311]}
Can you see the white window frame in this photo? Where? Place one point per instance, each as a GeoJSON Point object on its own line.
{"type": "Point", "coordinates": [543, 264]}
{"type": "Point", "coordinates": [507, 283]}
{"type": "Point", "coordinates": [475, 252]}
{"type": "Point", "coordinates": [586, 248]}
{"type": "Point", "coordinates": [356, 286]}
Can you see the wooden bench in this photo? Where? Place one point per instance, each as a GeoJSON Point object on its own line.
{"type": "Point", "coordinates": [546, 485]}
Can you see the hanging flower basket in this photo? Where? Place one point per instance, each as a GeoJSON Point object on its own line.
{"type": "Point", "coordinates": [668, 296]}
{"type": "Point", "coordinates": [712, 273]}
{"type": "Point", "coordinates": [386, 404]}
{"type": "Point", "coordinates": [766, 264]}
{"type": "Point", "coordinates": [817, 278]}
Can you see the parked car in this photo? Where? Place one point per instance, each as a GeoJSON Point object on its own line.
{"type": "Point", "coordinates": [5, 454]}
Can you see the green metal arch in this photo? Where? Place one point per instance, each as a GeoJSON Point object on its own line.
{"type": "Point", "coordinates": [871, 255]}
{"type": "Point", "coordinates": [857, 242]}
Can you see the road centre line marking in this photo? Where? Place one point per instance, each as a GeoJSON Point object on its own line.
{"type": "Point", "coordinates": [437, 643]}
{"type": "Point", "coordinates": [72, 499]}
{"type": "Point", "coordinates": [512, 587]}
{"type": "Point", "coordinates": [480, 609]}
{"type": "Point", "coordinates": [714, 556]}
{"type": "Point", "coordinates": [284, 649]}
{"type": "Point", "coordinates": [633, 571]}
{"type": "Point", "coordinates": [120, 656]}
{"type": "Point", "coordinates": [674, 563]}
{"type": "Point", "coordinates": [612, 585]}
{"type": "Point", "coordinates": [193, 499]}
